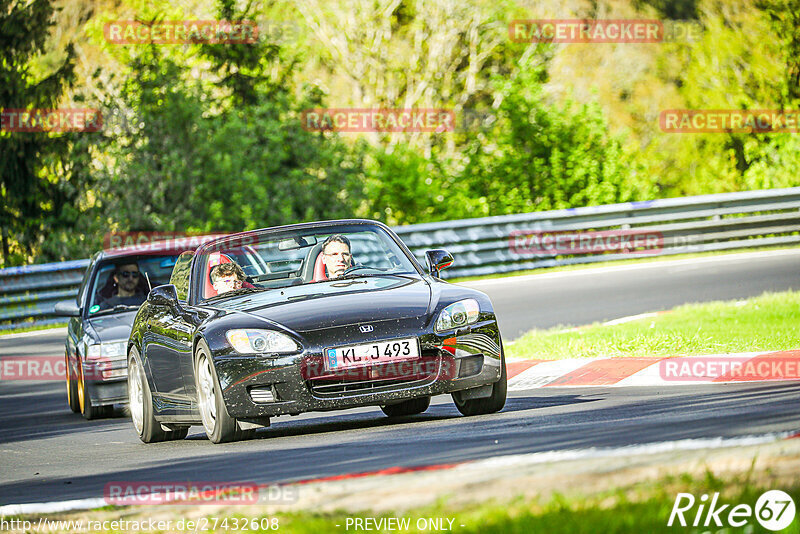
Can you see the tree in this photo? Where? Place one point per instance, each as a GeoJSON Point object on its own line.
{"type": "Point", "coordinates": [33, 194]}
{"type": "Point", "coordinates": [542, 156]}
{"type": "Point", "coordinates": [222, 152]}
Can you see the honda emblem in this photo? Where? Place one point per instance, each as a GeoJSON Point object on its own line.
{"type": "Point", "coordinates": [365, 328]}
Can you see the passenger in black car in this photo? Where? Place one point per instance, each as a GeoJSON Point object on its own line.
{"type": "Point", "coordinates": [227, 277]}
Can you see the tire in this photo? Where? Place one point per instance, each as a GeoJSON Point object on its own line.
{"type": "Point", "coordinates": [219, 426]}
{"type": "Point", "coordinates": [409, 407]}
{"type": "Point", "coordinates": [140, 403]}
{"type": "Point", "coordinates": [72, 390]}
{"type": "Point", "coordinates": [88, 409]}
{"type": "Point", "coordinates": [491, 404]}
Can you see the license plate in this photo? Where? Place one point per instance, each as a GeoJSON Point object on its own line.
{"type": "Point", "coordinates": [376, 352]}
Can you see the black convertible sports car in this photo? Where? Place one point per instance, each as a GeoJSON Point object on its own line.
{"type": "Point", "coordinates": [341, 316]}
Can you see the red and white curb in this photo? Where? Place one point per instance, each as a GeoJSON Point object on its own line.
{"type": "Point", "coordinates": [649, 371]}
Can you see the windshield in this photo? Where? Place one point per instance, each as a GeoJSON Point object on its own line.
{"type": "Point", "coordinates": [122, 284]}
{"type": "Point", "coordinates": [303, 257]}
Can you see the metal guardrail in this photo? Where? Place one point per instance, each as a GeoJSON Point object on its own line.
{"type": "Point", "coordinates": [486, 245]}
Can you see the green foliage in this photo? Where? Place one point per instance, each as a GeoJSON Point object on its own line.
{"type": "Point", "coordinates": [37, 186]}
{"type": "Point", "coordinates": [541, 156]}
{"type": "Point", "coordinates": [210, 139]}
{"type": "Point", "coordinates": [224, 156]}
{"type": "Point", "coordinates": [404, 187]}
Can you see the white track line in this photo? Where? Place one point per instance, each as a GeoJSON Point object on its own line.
{"type": "Point", "coordinates": [628, 450]}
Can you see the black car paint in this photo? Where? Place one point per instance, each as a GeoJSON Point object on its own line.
{"type": "Point", "coordinates": [167, 337]}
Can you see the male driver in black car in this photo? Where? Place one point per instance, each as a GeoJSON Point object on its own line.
{"type": "Point", "coordinates": [130, 291]}
{"type": "Point", "coordinates": [336, 255]}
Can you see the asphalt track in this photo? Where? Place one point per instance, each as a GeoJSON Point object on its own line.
{"type": "Point", "coordinates": [49, 454]}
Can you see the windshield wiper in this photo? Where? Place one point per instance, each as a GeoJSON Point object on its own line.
{"type": "Point", "coordinates": [115, 309]}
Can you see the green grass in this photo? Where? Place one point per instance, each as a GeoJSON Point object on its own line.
{"type": "Point", "coordinates": [769, 322]}
{"type": "Point", "coordinates": [595, 265]}
{"type": "Point", "coordinates": [636, 506]}
{"type": "Point", "coordinates": [32, 328]}
{"type": "Point", "coordinates": [644, 508]}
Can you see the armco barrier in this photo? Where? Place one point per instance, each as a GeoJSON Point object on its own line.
{"type": "Point", "coordinates": [484, 246]}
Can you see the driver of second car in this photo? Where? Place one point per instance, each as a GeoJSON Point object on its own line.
{"type": "Point", "coordinates": [128, 290]}
{"type": "Point", "coordinates": [336, 255]}
{"type": "Point", "coordinates": [227, 277]}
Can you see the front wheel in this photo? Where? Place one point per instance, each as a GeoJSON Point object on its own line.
{"type": "Point", "coordinates": [140, 402]}
{"type": "Point", "coordinates": [72, 389]}
{"type": "Point", "coordinates": [491, 404]}
{"type": "Point", "coordinates": [219, 426]}
{"type": "Point", "coordinates": [409, 407]}
{"type": "Point", "coordinates": [88, 409]}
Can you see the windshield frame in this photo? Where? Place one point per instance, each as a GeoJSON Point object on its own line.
{"type": "Point", "coordinates": [253, 237]}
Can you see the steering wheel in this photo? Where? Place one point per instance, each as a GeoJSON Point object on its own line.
{"type": "Point", "coordinates": [354, 268]}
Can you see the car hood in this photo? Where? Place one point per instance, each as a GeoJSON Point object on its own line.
{"type": "Point", "coordinates": [114, 327]}
{"type": "Point", "coordinates": [332, 304]}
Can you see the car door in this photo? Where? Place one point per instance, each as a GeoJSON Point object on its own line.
{"type": "Point", "coordinates": [166, 342]}
{"type": "Point", "coordinates": [169, 349]}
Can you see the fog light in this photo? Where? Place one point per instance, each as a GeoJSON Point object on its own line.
{"type": "Point", "coordinates": [471, 365]}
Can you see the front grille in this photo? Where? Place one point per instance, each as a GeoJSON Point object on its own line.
{"type": "Point", "coordinates": [378, 378]}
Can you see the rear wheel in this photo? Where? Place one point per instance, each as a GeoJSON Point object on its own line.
{"type": "Point", "coordinates": [491, 404]}
{"type": "Point", "coordinates": [72, 389]}
{"type": "Point", "coordinates": [88, 409]}
{"type": "Point", "coordinates": [140, 402]}
{"type": "Point", "coordinates": [219, 426]}
{"type": "Point", "coordinates": [409, 407]}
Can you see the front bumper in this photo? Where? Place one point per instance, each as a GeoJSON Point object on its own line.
{"type": "Point", "coordinates": [106, 381]}
{"type": "Point", "coordinates": [298, 383]}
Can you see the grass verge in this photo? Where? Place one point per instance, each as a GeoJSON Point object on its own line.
{"type": "Point", "coordinates": [642, 507]}
{"type": "Point", "coordinates": [32, 328]}
{"type": "Point", "coordinates": [765, 323]}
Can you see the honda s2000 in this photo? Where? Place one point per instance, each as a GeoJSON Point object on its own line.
{"type": "Point", "coordinates": [342, 316]}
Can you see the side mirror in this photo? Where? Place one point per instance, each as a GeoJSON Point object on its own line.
{"type": "Point", "coordinates": [438, 260]}
{"type": "Point", "coordinates": [165, 295]}
{"type": "Point", "coordinates": [67, 308]}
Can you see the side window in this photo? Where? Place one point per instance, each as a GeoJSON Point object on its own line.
{"type": "Point", "coordinates": [180, 274]}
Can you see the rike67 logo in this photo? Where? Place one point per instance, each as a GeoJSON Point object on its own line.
{"type": "Point", "coordinates": [774, 510]}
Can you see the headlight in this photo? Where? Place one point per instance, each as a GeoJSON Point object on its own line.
{"type": "Point", "coordinates": [248, 341]}
{"type": "Point", "coordinates": [458, 314]}
{"type": "Point", "coordinates": [105, 350]}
